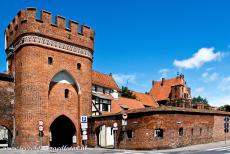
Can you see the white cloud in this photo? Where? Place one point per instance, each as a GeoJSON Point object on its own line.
{"type": "Point", "coordinates": [205, 74]}
{"type": "Point", "coordinates": [164, 72]}
{"type": "Point", "coordinates": [199, 90]}
{"type": "Point", "coordinates": [207, 77]}
{"type": "Point", "coordinates": [124, 79]}
{"type": "Point", "coordinates": [224, 85]}
{"type": "Point", "coordinates": [198, 59]}
{"type": "Point", "coordinates": [219, 100]}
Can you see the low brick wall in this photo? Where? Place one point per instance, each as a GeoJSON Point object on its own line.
{"type": "Point", "coordinates": [198, 128]}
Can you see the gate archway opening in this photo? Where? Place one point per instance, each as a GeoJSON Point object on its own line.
{"type": "Point", "coordinates": [62, 132]}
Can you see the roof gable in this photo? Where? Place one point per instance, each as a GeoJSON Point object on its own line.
{"type": "Point", "coordinates": [161, 89]}
{"type": "Point", "coordinates": [104, 80]}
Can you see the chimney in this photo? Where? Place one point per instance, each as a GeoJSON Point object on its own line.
{"type": "Point", "coordinates": [162, 81]}
{"type": "Point", "coordinates": [110, 74]}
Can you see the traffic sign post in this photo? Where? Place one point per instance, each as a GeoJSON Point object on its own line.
{"type": "Point", "coordinates": [40, 130]}
{"type": "Point", "coordinates": [84, 127]}
{"type": "Point", "coordinates": [124, 124]}
{"type": "Point", "coordinates": [226, 126]}
{"type": "Point", "coordinates": [115, 129]}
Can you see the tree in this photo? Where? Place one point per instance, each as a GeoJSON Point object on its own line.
{"type": "Point", "coordinates": [225, 108]}
{"type": "Point", "coordinates": [199, 100]}
{"type": "Point", "coordinates": [125, 92]}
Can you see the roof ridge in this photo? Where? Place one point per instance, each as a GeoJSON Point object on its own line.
{"type": "Point", "coordinates": [101, 73]}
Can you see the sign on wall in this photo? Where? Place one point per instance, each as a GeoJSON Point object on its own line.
{"type": "Point", "coordinates": [84, 119]}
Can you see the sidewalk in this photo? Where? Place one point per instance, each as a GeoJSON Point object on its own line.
{"type": "Point", "coordinates": [198, 147]}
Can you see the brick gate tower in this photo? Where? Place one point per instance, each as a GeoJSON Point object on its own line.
{"type": "Point", "coordinates": [52, 66]}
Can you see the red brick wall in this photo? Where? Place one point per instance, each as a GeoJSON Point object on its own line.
{"type": "Point", "coordinates": [144, 126]}
{"type": "Point", "coordinates": [6, 108]}
{"type": "Point", "coordinates": [218, 129]}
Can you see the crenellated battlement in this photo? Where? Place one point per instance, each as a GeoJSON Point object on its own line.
{"type": "Point", "coordinates": [26, 22]}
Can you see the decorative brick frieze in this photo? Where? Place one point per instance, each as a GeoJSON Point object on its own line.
{"type": "Point", "coordinates": [42, 41]}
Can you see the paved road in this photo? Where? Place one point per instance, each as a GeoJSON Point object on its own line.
{"type": "Point", "coordinates": [211, 148]}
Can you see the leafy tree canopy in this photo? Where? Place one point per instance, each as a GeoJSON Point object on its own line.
{"type": "Point", "coordinates": [225, 108]}
{"type": "Point", "coordinates": [125, 92]}
{"type": "Point", "coordinates": [199, 100]}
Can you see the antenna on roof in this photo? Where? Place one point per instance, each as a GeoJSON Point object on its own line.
{"type": "Point", "coordinates": [127, 83]}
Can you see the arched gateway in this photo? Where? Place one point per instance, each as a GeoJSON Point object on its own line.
{"type": "Point", "coordinates": [62, 132]}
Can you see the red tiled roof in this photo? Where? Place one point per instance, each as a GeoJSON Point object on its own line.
{"type": "Point", "coordinates": [131, 104]}
{"type": "Point", "coordinates": [104, 80]}
{"type": "Point", "coordinates": [162, 91]}
{"type": "Point", "coordinates": [146, 99]}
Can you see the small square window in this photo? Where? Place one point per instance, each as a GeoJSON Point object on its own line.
{"type": "Point", "coordinates": [50, 60]}
{"type": "Point", "coordinates": [158, 133]}
{"type": "Point", "coordinates": [105, 107]}
{"type": "Point", "coordinates": [78, 66]}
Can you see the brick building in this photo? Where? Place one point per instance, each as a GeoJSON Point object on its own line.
{"type": "Point", "coordinates": [172, 92]}
{"type": "Point", "coordinates": [50, 81]}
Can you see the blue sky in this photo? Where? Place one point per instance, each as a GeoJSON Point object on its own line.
{"type": "Point", "coordinates": [141, 41]}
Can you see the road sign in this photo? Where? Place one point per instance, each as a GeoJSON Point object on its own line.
{"type": "Point", "coordinates": [84, 126]}
{"type": "Point", "coordinates": [40, 123]}
{"type": "Point", "coordinates": [84, 119]}
{"type": "Point", "coordinates": [84, 132]}
{"type": "Point", "coordinates": [115, 128]}
{"type": "Point", "coordinates": [226, 125]}
{"type": "Point", "coordinates": [115, 125]}
{"type": "Point", "coordinates": [124, 122]}
{"type": "Point", "coordinates": [84, 137]}
{"type": "Point", "coordinates": [125, 116]}
{"type": "Point", "coordinates": [40, 128]}
{"type": "Point", "coordinates": [226, 119]}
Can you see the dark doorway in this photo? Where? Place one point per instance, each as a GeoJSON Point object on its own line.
{"type": "Point", "coordinates": [62, 132]}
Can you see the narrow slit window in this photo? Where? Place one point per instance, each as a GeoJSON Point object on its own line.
{"type": "Point", "coordinates": [50, 60]}
{"type": "Point", "coordinates": [78, 66]}
{"type": "Point", "coordinates": [66, 93]}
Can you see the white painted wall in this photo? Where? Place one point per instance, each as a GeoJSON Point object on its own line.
{"type": "Point", "coordinates": [114, 94]}
{"type": "Point", "coordinates": [106, 137]}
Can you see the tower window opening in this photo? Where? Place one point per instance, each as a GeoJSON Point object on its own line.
{"type": "Point", "coordinates": [66, 93]}
{"type": "Point", "coordinates": [78, 66]}
{"type": "Point", "coordinates": [181, 132]}
{"type": "Point", "coordinates": [50, 60]}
